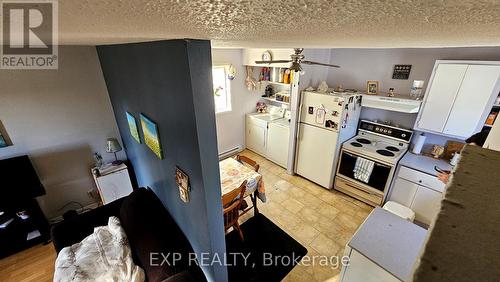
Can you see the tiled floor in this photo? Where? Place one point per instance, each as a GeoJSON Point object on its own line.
{"type": "Point", "coordinates": [321, 220]}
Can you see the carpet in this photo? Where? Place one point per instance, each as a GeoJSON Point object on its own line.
{"type": "Point", "coordinates": [266, 254]}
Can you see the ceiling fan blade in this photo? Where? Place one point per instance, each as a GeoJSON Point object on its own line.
{"type": "Point", "coordinates": [273, 62]}
{"type": "Point", "coordinates": [321, 64]}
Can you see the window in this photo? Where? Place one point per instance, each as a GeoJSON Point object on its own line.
{"type": "Point", "coordinates": [222, 90]}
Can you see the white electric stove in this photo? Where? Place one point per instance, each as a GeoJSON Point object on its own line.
{"type": "Point", "coordinates": [382, 144]}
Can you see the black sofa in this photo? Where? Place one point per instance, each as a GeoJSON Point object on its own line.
{"type": "Point", "coordinates": [149, 228]}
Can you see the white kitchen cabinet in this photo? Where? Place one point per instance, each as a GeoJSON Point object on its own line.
{"type": "Point", "coordinates": [426, 204]}
{"type": "Point", "coordinates": [256, 136]}
{"type": "Point", "coordinates": [418, 191]}
{"type": "Point", "coordinates": [404, 192]}
{"type": "Point", "coordinates": [472, 99]}
{"type": "Point", "coordinates": [361, 269]}
{"type": "Point", "coordinates": [459, 97]}
{"type": "Point", "coordinates": [440, 96]}
{"type": "Point", "coordinates": [278, 139]}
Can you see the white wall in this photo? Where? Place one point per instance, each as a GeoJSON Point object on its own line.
{"type": "Point", "coordinates": [59, 118]}
{"type": "Point", "coordinates": [360, 65]}
{"type": "Point", "coordinates": [231, 125]}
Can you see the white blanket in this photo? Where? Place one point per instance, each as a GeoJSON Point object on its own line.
{"type": "Point", "coordinates": [102, 256]}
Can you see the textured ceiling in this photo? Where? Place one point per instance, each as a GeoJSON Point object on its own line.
{"type": "Point", "coordinates": [271, 23]}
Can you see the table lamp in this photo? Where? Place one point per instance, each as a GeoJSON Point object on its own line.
{"type": "Point", "coordinates": [113, 146]}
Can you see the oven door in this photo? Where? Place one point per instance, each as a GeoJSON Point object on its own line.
{"type": "Point", "coordinates": [379, 177]}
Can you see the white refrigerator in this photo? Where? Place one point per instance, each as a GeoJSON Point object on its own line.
{"type": "Point", "coordinates": [326, 121]}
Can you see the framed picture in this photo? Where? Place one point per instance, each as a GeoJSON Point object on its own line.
{"type": "Point", "coordinates": [3, 143]}
{"type": "Point", "coordinates": [182, 180]}
{"type": "Point", "coordinates": [372, 87]}
{"type": "Point", "coordinates": [132, 125]}
{"type": "Point", "coordinates": [151, 136]}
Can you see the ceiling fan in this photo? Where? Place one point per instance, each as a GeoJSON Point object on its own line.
{"type": "Point", "coordinates": [297, 60]}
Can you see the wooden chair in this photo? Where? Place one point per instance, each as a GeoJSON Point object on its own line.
{"type": "Point", "coordinates": [231, 207]}
{"type": "Point", "coordinates": [248, 161]}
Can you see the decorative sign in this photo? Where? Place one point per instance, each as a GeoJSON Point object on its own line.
{"type": "Point", "coordinates": [401, 72]}
{"type": "Point", "coordinates": [182, 180]}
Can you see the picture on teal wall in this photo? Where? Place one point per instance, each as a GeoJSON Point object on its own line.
{"type": "Point", "coordinates": [132, 124]}
{"type": "Point", "coordinates": [3, 143]}
{"type": "Point", "coordinates": [151, 136]}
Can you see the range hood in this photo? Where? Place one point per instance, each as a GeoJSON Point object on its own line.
{"type": "Point", "coordinates": [402, 104]}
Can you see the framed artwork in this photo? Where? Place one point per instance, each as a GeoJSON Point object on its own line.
{"type": "Point", "coordinates": [401, 72]}
{"type": "Point", "coordinates": [3, 143]}
{"type": "Point", "coordinates": [132, 125]}
{"type": "Point", "coordinates": [372, 87]}
{"type": "Point", "coordinates": [182, 180]}
{"type": "Point", "coordinates": [151, 136]}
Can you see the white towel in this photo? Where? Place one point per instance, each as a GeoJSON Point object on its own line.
{"type": "Point", "coordinates": [363, 169]}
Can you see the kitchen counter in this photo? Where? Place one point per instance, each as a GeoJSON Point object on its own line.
{"type": "Point", "coordinates": [391, 242]}
{"type": "Point", "coordinates": [423, 163]}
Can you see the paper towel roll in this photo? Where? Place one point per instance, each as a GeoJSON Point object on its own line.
{"type": "Point", "coordinates": [419, 143]}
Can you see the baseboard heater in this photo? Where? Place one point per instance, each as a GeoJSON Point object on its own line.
{"type": "Point", "coordinates": [230, 152]}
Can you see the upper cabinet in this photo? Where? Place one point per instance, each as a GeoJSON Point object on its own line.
{"type": "Point", "coordinates": [256, 54]}
{"type": "Point", "coordinates": [459, 97]}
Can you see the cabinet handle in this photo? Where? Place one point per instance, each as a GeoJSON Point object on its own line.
{"type": "Point", "coordinates": [420, 181]}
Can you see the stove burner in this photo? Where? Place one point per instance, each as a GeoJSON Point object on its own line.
{"type": "Point", "coordinates": [356, 144]}
{"type": "Point", "coordinates": [363, 141]}
{"type": "Point", "coordinates": [392, 149]}
{"type": "Point", "coordinates": [385, 153]}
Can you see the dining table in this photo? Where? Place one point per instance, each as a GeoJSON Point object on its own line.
{"type": "Point", "coordinates": [233, 173]}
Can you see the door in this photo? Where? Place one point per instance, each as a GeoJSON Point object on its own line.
{"type": "Point", "coordinates": [378, 179]}
{"type": "Point", "coordinates": [439, 101]}
{"type": "Point", "coordinates": [403, 192]}
{"type": "Point", "coordinates": [318, 109]}
{"type": "Point", "coordinates": [277, 143]}
{"type": "Point", "coordinates": [426, 204]}
{"type": "Point", "coordinates": [256, 137]}
{"type": "Point", "coordinates": [316, 148]}
{"type": "Point", "coordinates": [472, 100]}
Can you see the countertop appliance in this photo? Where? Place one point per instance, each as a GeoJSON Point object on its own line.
{"type": "Point", "coordinates": [384, 145]}
{"type": "Point", "coordinates": [326, 120]}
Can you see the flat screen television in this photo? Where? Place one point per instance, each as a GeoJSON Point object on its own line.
{"type": "Point", "coordinates": [18, 180]}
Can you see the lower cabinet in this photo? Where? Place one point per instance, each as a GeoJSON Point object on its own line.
{"type": "Point", "coordinates": [426, 204]}
{"type": "Point", "coordinates": [425, 201]}
{"type": "Point", "coordinates": [361, 269]}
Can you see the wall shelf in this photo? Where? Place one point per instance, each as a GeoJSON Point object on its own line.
{"type": "Point", "coordinates": [275, 83]}
{"type": "Point", "coordinates": [275, 101]}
